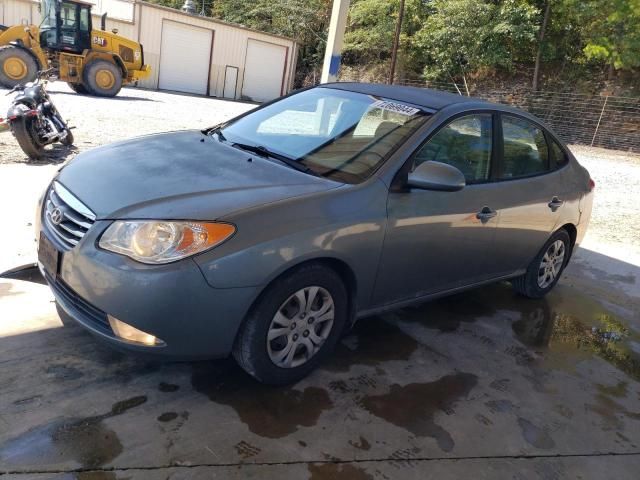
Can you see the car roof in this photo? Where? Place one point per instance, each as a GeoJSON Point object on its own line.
{"type": "Point", "coordinates": [423, 97]}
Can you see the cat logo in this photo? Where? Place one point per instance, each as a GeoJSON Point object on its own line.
{"type": "Point", "coordinates": [100, 41]}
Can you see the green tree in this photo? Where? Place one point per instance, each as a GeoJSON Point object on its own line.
{"type": "Point", "coordinates": [610, 31]}
{"type": "Point", "coordinates": [369, 33]}
{"type": "Point", "coordinates": [463, 36]}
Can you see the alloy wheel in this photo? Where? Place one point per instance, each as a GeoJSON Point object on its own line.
{"type": "Point", "coordinates": [551, 264]}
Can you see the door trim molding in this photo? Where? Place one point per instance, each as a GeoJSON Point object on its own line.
{"type": "Point", "coordinates": [432, 296]}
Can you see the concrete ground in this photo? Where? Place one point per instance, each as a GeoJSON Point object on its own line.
{"type": "Point", "coordinates": [483, 384]}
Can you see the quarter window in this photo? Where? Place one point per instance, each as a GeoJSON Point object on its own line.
{"type": "Point", "coordinates": [559, 157]}
{"type": "Point", "coordinates": [525, 148]}
{"type": "Point", "coordinates": [465, 144]}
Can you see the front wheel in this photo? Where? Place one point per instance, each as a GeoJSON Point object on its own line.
{"type": "Point", "coordinates": [27, 136]}
{"type": "Point", "coordinates": [293, 326]}
{"type": "Point", "coordinates": [102, 78]}
{"type": "Point", "coordinates": [544, 271]}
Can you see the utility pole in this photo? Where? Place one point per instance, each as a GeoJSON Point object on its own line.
{"type": "Point", "coordinates": [396, 43]}
{"type": "Point", "coordinates": [337, 26]}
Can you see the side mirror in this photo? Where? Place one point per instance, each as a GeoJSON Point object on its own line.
{"type": "Point", "coordinates": [436, 176]}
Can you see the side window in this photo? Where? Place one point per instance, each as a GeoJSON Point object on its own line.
{"type": "Point", "coordinates": [68, 15]}
{"type": "Point", "coordinates": [559, 157]}
{"type": "Point", "coordinates": [84, 19]}
{"type": "Point", "coordinates": [525, 148]}
{"type": "Point", "coordinates": [465, 144]}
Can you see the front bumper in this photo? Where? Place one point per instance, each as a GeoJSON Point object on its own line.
{"type": "Point", "coordinates": [137, 75]}
{"type": "Point", "coordinates": [172, 302]}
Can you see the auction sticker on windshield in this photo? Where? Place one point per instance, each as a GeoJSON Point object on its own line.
{"type": "Point", "coordinates": [400, 108]}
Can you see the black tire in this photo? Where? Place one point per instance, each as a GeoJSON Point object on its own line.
{"type": "Point", "coordinates": [102, 67]}
{"type": "Point", "coordinates": [78, 88]}
{"type": "Point", "coordinates": [68, 140]}
{"type": "Point", "coordinates": [25, 133]}
{"type": "Point", "coordinates": [527, 284]}
{"type": "Point", "coordinates": [250, 348]}
{"type": "Point", "coordinates": [27, 66]}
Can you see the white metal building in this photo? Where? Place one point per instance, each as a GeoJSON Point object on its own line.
{"type": "Point", "coordinates": [189, 53]}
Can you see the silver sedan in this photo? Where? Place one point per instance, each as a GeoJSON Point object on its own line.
{"type": "Point", "coordinates": [267, 236]}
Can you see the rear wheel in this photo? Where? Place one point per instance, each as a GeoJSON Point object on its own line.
{"type": "Point", "coordinates": [25, 132]}
{"type": "Point", "coordinates": [68, 139]}
{"type": "Point", "coordinates": [17, 66]}
{"type": "Point", "coordinates": [102, 78]}
{"type": "Point", "coordinates": [293, 326]}
{"type": "Point", "coordinates": [544, 271]}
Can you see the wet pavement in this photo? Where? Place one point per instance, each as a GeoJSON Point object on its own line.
{"type": "Point", "coordinates": [484, 383]}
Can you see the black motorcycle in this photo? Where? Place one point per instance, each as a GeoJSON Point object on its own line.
{"type": "Point", "coordinates": [34, 120]}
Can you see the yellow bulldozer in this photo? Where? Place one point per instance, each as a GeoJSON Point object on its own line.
{"type": "Point", "coordinates": [94, 62]}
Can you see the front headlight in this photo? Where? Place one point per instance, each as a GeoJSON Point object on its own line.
{"type": "Point", "coordinates": [155, 242]}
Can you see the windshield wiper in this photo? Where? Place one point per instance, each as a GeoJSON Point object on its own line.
{"type": "Point", "coordinates": [213, 130]}
{"type": "Point", "coordinates": [265, 152]}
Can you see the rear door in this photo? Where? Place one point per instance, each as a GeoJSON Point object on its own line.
{"type": "Point", "coordinates": [531, 195]}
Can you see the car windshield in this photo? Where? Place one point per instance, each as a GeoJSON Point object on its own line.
{"type": "Point", "coordinates": [334, 133]}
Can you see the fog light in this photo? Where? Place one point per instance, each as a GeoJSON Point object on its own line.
{"type": "Point", "coordinates": [132, 334]}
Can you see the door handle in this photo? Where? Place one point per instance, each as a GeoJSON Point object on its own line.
{"type": "Point", "coordinates": [486, 214]}
{"type": "Point", "coordinates": [555, 204]}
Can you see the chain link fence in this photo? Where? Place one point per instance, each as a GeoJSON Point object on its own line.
{"type": "Point", "coordinates": [606, 121]}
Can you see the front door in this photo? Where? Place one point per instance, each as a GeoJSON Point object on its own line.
{"type": "Point", "coordinates": [437, 241]}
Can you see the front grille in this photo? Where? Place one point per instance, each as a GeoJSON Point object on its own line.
{"type": "Point", "coordinates": [66, 217]}
{"type": "Point", "coordinates": [83, 309]}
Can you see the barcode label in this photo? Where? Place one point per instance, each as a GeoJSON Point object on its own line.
{"type": "Point", "coordinates": [400, 108]}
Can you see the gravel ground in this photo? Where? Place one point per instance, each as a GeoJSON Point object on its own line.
{"type": "Point", "coordinates": [134, 112]}
{"type": "Point", "coordinates": [615, 224]}
{"type": "Point", "coordinates": [616, 211]}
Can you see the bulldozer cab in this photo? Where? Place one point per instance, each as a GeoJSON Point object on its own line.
{"type": "Point", "coordinates": [66, 25]}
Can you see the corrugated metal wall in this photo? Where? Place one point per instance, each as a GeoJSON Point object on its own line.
{"type": "Point", "coordinates": [229, 46]}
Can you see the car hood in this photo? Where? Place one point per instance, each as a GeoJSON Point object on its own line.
{"type": "Point", "coordinates": [180, 175]}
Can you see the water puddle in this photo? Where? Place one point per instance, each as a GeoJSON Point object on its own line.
{"type": "Point", "coordinates": [373, 341]}
{"type": "Point", "coordinates": [568, 327]}
{"type": "Point", "coordinates": [414, 406]}
{"type": "Point", "coordinates": [86, 441]}
{"type": "Point", "coordinates": [271, 412]}
{"type": "Point", "coordinates": [558, 331]}
{"type": "Point", "coordinates": [448, 313]}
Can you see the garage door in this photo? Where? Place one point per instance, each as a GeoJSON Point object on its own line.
{"type": "Point", "coordinates": [185, 57]}
{"type": "Point", "coordinates": [263, 71]}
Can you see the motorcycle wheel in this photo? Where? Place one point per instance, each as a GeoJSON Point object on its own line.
{"type": "Point", "coordinates": [68, 140]}
{"type": "Point", "coordinates": [25, 133]}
